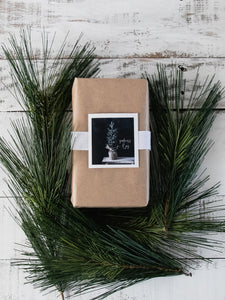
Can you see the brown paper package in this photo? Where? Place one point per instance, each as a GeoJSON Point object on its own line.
{"type": "Point", "coordinates": [109, 187]}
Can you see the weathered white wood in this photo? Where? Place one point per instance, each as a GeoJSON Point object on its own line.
{"type": "Point", "coordinates": [214, 165]}
{"type": "Point", "coordinates": [5, 131]}
{"type": "Point", "coordinates": [130, 37]}
{"type": "Point", "coordinates": [10, 233]}
{"type": "Point", "coordinates": [214, 162]}
{"type": "Point", "coordinates": [206, 283]}
{"type": "Point", "coordinates": [12, 237]}
{"type": "Point", "coordinates": [128, 68]}
{"type": "Point", "coordinates": [119, 28]}
{"type": "Point", "coordinates": [13, 285]}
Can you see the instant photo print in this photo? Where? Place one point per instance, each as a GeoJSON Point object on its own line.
{"type": "Point", "coordinates": [113, 140]}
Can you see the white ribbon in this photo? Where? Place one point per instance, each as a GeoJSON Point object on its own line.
{"type": "Point", "coordinates": [144, 140]}
{"type": "Point", "coordinates": [79, 140]}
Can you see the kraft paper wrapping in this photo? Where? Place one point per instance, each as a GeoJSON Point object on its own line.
{"type": "Point", "coordinates": [109, 187]}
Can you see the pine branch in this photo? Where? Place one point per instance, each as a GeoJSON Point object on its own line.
{"type": "Point", "coordinates": [181, 134]}
{"type": "Point", "coordinates": [37, 159]}
{"type": "Point", "coordinates": [86, 250]}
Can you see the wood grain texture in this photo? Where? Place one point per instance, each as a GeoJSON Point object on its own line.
{"type": "Point", "coordinates": [128, 68]}
{"type": "Point", "coordinates": [121, 28]}
{"type": "Point", "coordinates": [10, 232]}
{"type": "Point", "coordinates": [130, 37]}
{"type": "Point", "coordinates": [214, 163]}
{"type": "Point", "coordinates": [206, 283]}
{"type": "Point", "coordinates": [13, 285]}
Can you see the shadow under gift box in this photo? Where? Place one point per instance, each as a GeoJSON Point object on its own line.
{"type": "Point", "coordinates": [109, 187]}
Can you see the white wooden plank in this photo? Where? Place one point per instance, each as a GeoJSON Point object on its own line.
{"type": "Point", "coordinates": [10, 232]}
{"type": "Point", "coordinates": [121, 28]}
{"type": "Point", "coordinates": [127, 68]}
{"type": "Point", "coordinates": [140, 33]}
{"type": "Point", "coordinates": [214, 165]}
{"type": "Point", "coordinates": [5, 130]}
{"type": "Point", "coordinates": [214, 162]}
{"type": "Point", "coordinates": [206, 283]}
{"type": "Point", "coordinates": [13, 238]}
{"type": "Point", "coordinates": [13, 285]}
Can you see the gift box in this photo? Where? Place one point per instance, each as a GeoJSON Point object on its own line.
{"type": "Point", "coordinates": [110, 143]}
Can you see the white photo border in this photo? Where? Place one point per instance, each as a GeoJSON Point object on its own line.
{"type": "Point", "coordinates": [134, 116]}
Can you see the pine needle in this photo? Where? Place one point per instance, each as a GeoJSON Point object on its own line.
{"type": "Point", "coordinates": [84, 250]}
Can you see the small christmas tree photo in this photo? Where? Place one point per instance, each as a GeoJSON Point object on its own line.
{"type": "Point", "coordinates": [112, 140]}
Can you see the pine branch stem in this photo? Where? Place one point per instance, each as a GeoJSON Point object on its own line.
{"type": "Point", "coordinates": [157, 268]}
{"type": "Point", "coordinates": [62, 295]}
{"type": "Point", "coordinates": [165, 214]}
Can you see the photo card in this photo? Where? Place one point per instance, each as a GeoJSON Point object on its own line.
{"type": "Point", "coordinates": [113, 140]}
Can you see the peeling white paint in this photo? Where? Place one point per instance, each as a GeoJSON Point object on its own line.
{"type": "Point", "coordinates": [131, 37]}
{"type": "Point", "coordinates": [190, 28]}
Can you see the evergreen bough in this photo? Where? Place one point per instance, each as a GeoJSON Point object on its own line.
{"type": "Point", "coordinates": [84, 250]}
